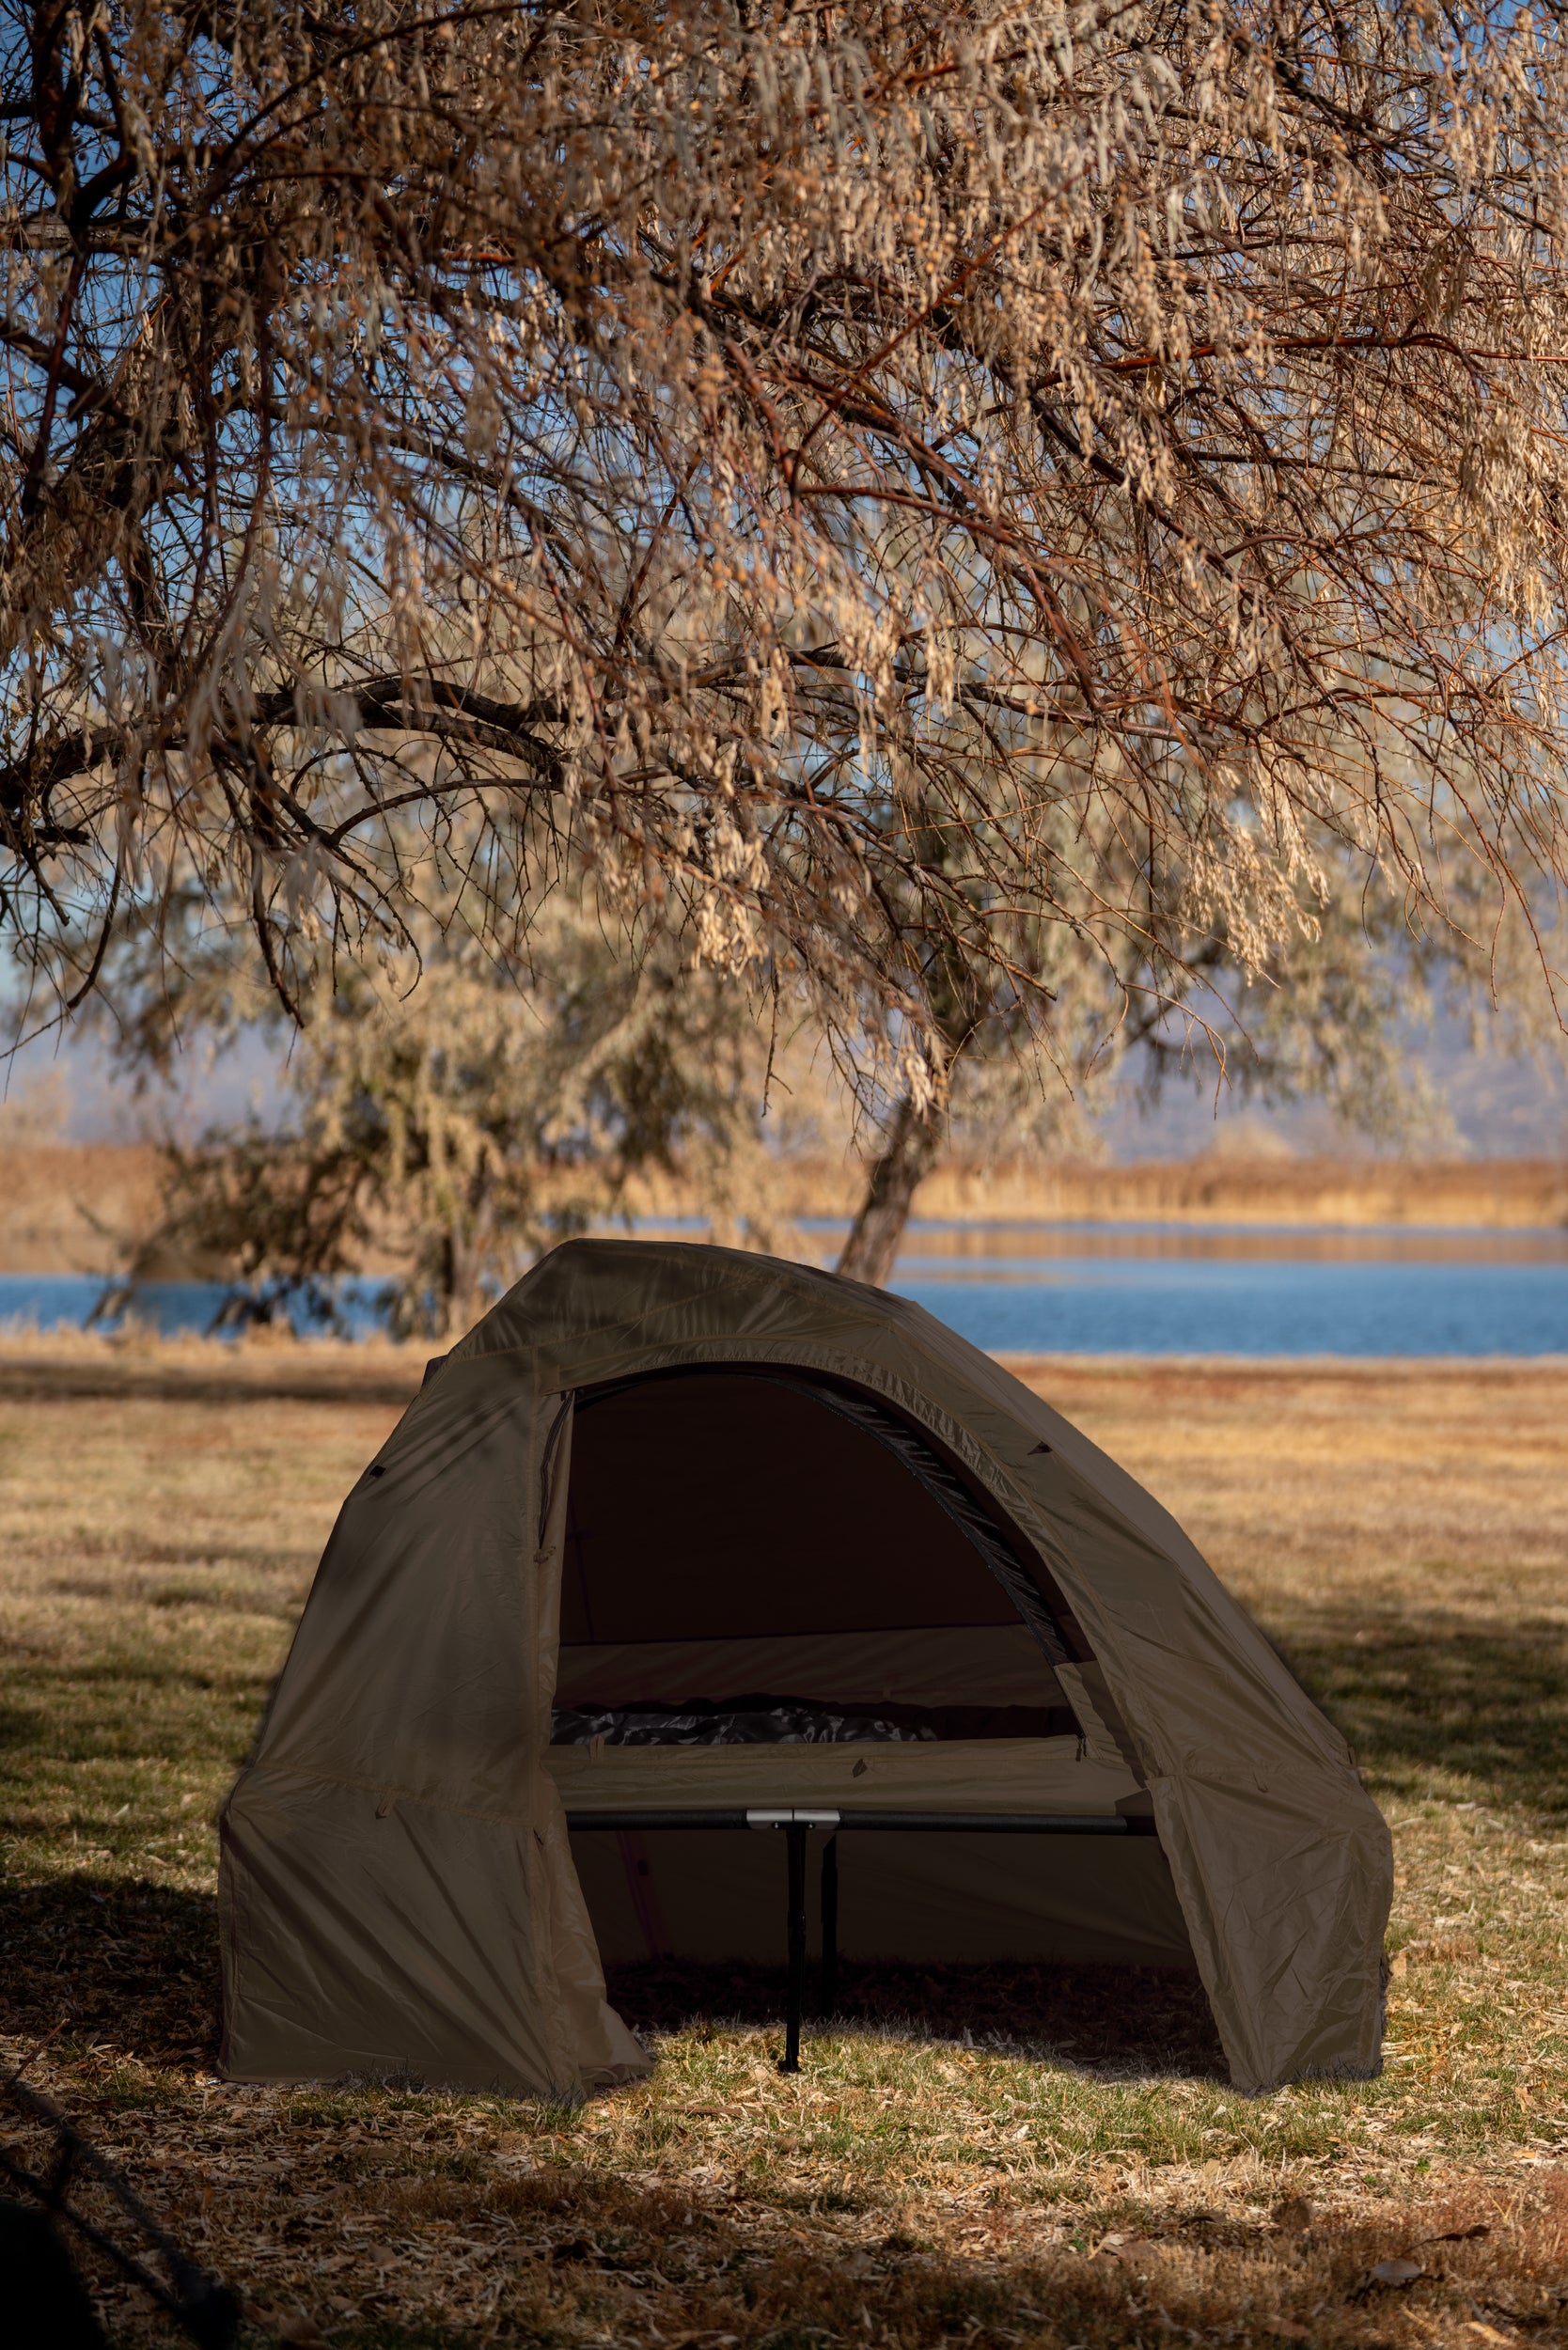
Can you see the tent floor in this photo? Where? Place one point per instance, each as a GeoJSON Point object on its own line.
{"type": "Point", "coordinates": [1100, 2017]}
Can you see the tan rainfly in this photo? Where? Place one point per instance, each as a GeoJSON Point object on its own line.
{"type": "Point", "coordinates": [668, 1475]}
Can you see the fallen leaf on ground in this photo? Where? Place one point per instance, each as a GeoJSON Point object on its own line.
{"type": "Point", "coordinates": [1396, 2272]}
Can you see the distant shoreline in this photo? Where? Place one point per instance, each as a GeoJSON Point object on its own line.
{"type": "Point", "coordinates": [74, 1208]}
{"type": "Point", "coordinates": [381, 1370]}
{"type": "Point", "coordinates": [1501, 1193]}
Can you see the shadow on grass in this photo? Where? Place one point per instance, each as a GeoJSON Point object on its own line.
{"type": "Point", "coordinates": [1113, 2019]}
{"type": "Point", "coordinates": [1426, 1701]}
{"type": "Point", "coordinates": [596, 2259]}
{"type": "Point", "coordinates": [131, 1968]}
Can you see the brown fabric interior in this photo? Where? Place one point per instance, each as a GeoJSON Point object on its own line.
{"type": "Point", "coordinates": [720, 1894]}
{"type": "Point", "coordinates": [992, 1664]}
{"type": "Point", "coordinates": [718, 1506]}
{"type": "Point", "coordinates": [742, 1536]}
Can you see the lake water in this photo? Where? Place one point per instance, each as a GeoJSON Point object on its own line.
{"type": "Point", "coordinates": [1245, 1291]}
{"type": "Point", "coordinates": [1256, 1306]}
{"type": "Point", "coordinates": [1125, 1289]}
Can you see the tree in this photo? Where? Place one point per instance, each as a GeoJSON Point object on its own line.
{"type": "Point", "coordinates": [899, 490]}
{"type": "Point", "coordinates": [1329, 1012]}
{"type": "Point", "coordinates": [459, 1115]}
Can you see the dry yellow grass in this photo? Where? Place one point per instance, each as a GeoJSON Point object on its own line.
{"type": "Point", "coordinates": [1079, 2175]}
{"type": "Point", "coordinates": [1214, 1187]}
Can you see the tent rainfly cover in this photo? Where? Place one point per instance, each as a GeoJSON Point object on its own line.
{"type": "Point", "coordinates": [678, 1526]}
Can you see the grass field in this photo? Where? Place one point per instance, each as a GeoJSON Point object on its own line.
{"type": "Point", "coordinates": [1052, 2160]}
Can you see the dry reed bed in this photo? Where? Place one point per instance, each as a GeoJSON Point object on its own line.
{"type": "Point", "coordinates": [68, 1208]}
{"type": "Point", "coordinates": [1079, 2175]}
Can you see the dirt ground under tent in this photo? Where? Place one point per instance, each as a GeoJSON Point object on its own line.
{"type": "Point", "coordinates": [1041, 2157]}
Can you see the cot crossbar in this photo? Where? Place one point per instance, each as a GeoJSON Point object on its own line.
{"type": "Point", "coordinates": [971, 1823]}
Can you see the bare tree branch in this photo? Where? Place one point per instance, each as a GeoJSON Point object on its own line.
{"type": "Point", "coordinates": [928, 505]}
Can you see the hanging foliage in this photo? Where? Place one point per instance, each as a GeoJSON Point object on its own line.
{"type": "Point", "coordinates": [890, 485]}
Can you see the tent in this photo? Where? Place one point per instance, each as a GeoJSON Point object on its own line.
{"type": "Point", "coordinates": [678, 1533]}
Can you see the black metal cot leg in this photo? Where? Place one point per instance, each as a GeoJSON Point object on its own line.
{"type": "Point", "coordinates": [830, 1925]}
{"type": "Point", "coordinates": [794, 1837]}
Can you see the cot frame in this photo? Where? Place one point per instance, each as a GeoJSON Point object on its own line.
{"type": "Point", "coordinates": [798, 1823]}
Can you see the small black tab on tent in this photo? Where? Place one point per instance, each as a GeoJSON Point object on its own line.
{"type": "Point", "coordinates": [1039, 1447]}
{"type": "Point", "coordinates": [430, 1369]}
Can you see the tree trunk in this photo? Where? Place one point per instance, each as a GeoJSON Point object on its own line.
{"type": "Point", "coordinates": [914, 1145]}
{"type": "Point", "coordinates": [459, 1301]}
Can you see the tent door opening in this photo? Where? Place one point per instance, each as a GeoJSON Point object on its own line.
{"type": "Point", "coordinates": [761, 1558]}
{"type": "Point", "coordinates": [778, 1597]}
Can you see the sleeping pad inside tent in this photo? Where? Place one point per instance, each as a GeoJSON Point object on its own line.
{"type": "Point", "coordinates": [678, 1536]}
